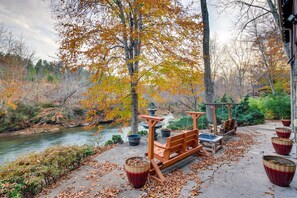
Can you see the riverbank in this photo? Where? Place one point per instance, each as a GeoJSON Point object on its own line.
{"type": "Point", "coordinates": [231, 172]}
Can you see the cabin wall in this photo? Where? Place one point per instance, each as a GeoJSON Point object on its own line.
{"type": "Point", "coordinates": [294, 74]}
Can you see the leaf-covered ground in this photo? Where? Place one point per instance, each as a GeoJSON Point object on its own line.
{"type": "Point", "coordinates": [202, 176]}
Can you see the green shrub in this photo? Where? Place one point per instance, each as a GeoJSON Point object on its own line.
{"type": "Point", "coordinates": [275, 106]}
{"type": "Point", "coordinates": [117, 139]}
{"type": "Point", "coordinates": [28, 175]}
{"type": "Point", "coordinates": [142, 133]}
{"type": "Point", "coordinates": [246, 115]}
{"type": "Point", "coordinates": [78, 112]}
{"type": "Point", "coordinates": [50, 78]}
{"type": "Point", "coordinates": [186, 122]}
{"type": "Point", "coordinates": [19, 118]}
{"type": "Point", "coordinates": [108, 142]}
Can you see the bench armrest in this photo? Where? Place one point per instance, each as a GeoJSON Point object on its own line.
{"type": "Point", "coordinates": [157, 144]}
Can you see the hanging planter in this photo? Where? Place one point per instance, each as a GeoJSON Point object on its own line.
{"type": "Point", "coordinates": [282, 146]}
{"type": "Point", "coordinates": [283, 132]}
{"type": "Point", "coordinates": [165, 132]}
{"type": "Point", "coordinates": [279, 170]}
{"type": "Point", "coordinates": [137, 169]}
{"type": "Point", "coordinates": [286, 122]}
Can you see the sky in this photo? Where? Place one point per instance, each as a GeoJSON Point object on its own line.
{"type": "Point", "coordinates": [32, 20]}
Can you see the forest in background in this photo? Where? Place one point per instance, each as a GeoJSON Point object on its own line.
{"type": "Point", "coordinates": [44, 92]}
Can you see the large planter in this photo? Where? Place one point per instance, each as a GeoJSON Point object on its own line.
{"type": "Point", "coordinates": [134, 139]}
{"type": "Point", "coordinates": [283, 132]}
{"type": "Point", "coordinates": [166, 132]}
{"type": "Point", "coordinates": [282, 146]}
{"type": "Point", "coordinates": [137, 170]}
{"type": "Point", "coordinates": [286, 122]}
{"type": "Point", "coordinates": [279, 170]}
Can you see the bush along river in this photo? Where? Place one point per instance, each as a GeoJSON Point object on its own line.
{"type": "Point", "coordinates": [15, 146]}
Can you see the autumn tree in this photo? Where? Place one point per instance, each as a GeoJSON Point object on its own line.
{"type": "Point", "coordinates": [270, 54]}
{"type": "Point", "coordinates": [15, 58]}
{"type": "Point", "coordinates": [129, 46]}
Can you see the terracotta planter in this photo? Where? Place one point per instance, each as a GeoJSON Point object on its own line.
{"type": "Point", "coordinates": [282, 146]}
{"type": "Point", "coordinates": [283, 132]}
{"type": "Point", "coordinates": [286, 122]}
{"type": "Point", "coordinates": [279, 170]}
{"type": "Point", "coordinates": [137, 173]}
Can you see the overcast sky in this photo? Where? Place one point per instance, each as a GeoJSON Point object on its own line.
{"type": "Point", "coordinates": [32, 20]}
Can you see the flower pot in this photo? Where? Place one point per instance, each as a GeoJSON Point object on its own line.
{"type": "Point", "coordinates": [279, 170]}
{"type": "Point", "coordinates": [134, 139]}
{"type": "Point", "coordinates": [137, 170]}
{"type": "Point", "coordinates": [283, 132]}
{"type": "Point", "coordinates": [282, 146]}
{"type": "Point", "coordinates": [166, 132]}
{"type": "Point", "coordinates": [286, 122]}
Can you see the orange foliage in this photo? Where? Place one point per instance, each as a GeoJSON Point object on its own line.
{"type": "Point", "coordinates": [133, 48]}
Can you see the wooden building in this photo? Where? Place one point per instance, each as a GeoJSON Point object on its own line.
{"type": "Point", "coordinates": [288, 22]}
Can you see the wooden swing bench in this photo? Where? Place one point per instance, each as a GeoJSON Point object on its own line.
{"type": "Point", "coordinates": [177, 147]}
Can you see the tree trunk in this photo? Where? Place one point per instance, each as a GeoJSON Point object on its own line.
{"type": "Point", "coordinates": [134, 105]}
{"type": "Point", "coordinates": [208, 84]}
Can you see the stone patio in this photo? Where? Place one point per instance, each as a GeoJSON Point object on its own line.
{"type": "Point", "coordinates": [245, 178]}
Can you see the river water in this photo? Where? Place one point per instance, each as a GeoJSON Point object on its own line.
{"type": "Point", "coordinates": [15, 146]}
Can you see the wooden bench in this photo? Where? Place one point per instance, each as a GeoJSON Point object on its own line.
{"type": "Point", "coordinates": [177, 147]}
{"type": "Point", "coordinates": [226, 128]}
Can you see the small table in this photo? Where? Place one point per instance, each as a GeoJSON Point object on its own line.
{"type": "Point", "coordinates": [211, 142]}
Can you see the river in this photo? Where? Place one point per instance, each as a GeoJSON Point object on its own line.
{"type": "Point", "coordinates": [15, 146]}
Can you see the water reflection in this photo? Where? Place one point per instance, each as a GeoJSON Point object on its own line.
{"type": "Point", "coordinates": [12, 147]}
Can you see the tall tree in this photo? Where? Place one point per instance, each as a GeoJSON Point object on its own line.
{"type": "Point", "coordinates": [127, 45]}
{"type": "Point", "coordinates": [208, 84]}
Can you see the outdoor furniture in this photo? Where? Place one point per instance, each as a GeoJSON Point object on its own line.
{"type": "Point", "coordinates": [228, 127]}
{"type": "Point", "coordinates": [211, 142]}
{"type": "Point", "coordinates": [176, 148]}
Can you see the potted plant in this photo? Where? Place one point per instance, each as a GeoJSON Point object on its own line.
{"type": "Point", "coordinates": [137, 169]}
{"type": "Point", "coordinates": [282, 146]}
{"type": "Point", "coordinates": [283, 132]}
{"type": "Point", "coordinates": [286, 122]}
{"type": "Point", "coordinates": [279, 170]}
{"type": "Point", "coordinates": [165, 132]}
{"type": "Point", "coordinates": [134, 139]}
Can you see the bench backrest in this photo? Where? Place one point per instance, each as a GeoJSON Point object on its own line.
{"type": "Point", "coordinates": [225, 125]}
{"type": "Point", "coordinates": [176, 144]}
{"type": "Point", "coordinates": [231, 123]}
{"type": "Point", "coordinates": [191, 138]}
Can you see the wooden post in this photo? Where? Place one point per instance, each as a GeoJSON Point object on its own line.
{"type": "Point", "coordinates": [195, 116]}
{"type": "Point", "coordinates": [151, 122]}
{"type": "Point", "coordinates": [229, 106]}
{"type": "Point", "coordinates": [215, 125]}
